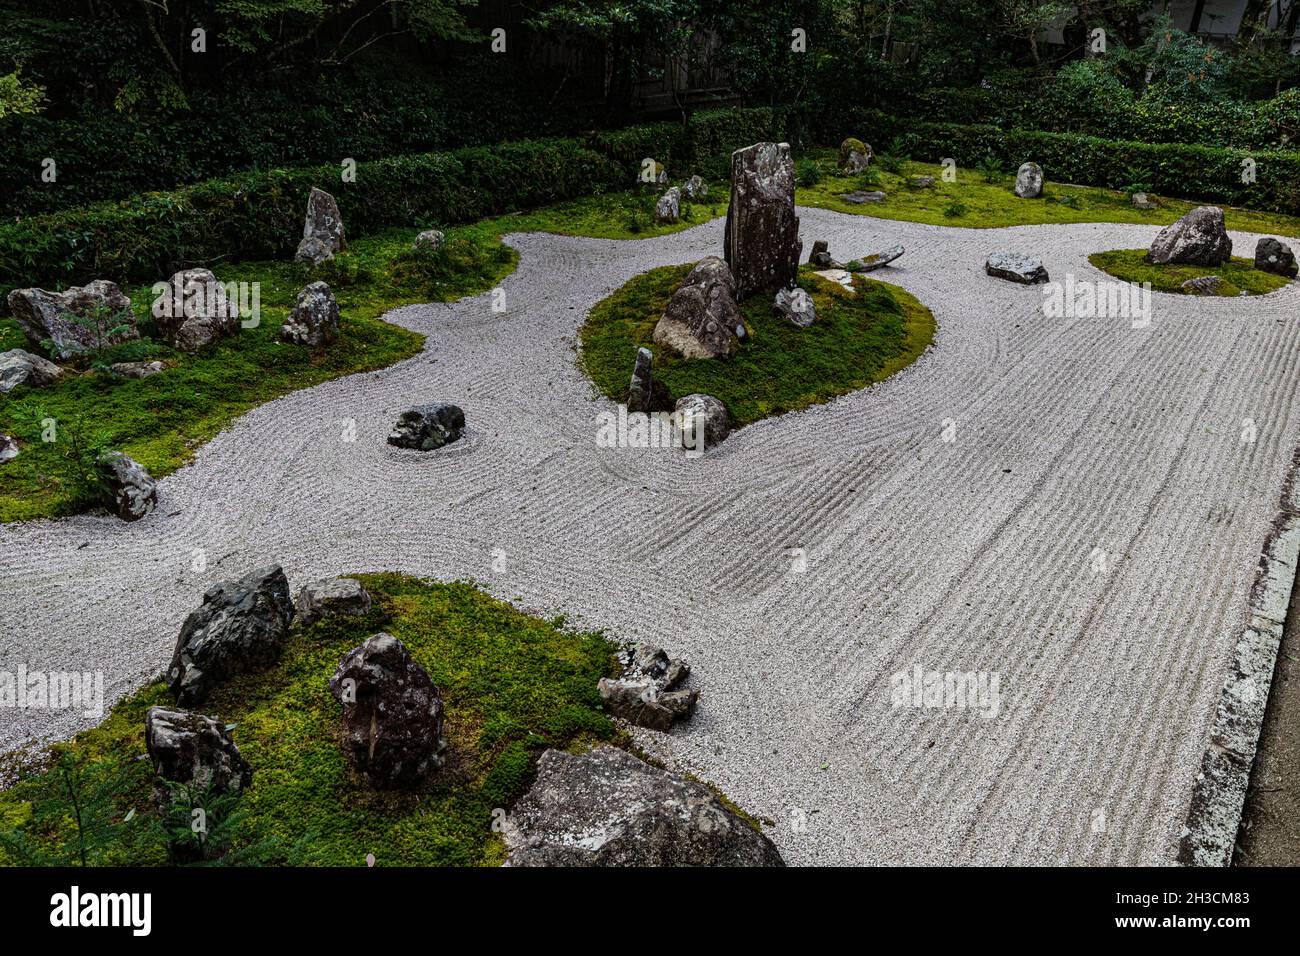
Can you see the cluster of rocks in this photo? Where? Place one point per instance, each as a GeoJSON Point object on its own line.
{"type": "Point", "coordinates": [322, 231]}
{"type": "Point", "coordinates": [647, 694]}
{"type": "Point", "coordinates": [608, 808]}
{"type": "Point", "coordinates": [668, 209]}
{"type": "Point", "coordinates": [426, 427]}
{"type": "Point", "coordinates": [195, 311]}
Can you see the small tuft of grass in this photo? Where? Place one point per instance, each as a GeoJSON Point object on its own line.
{"type": "Point", "coordinates": [512, 685]}
{"type": "Point", "coordinates": [857, 340]}
{"type": "Point", "coordinates": [1239, 275]}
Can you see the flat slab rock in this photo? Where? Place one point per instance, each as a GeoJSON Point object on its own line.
{"type": "Point", "coordinates": [860, 196]}
{"type": "Point", "coordinates": [1014, 267]}
{"type": "Point", "coordinates": [608, 808]}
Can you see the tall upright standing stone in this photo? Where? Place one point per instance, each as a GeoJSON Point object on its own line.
{"type": "Point", "coordinates": [761, 243]}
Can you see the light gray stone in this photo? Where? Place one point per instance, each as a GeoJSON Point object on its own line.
{"type": "Point", "coordinates": [20, 367]}
{"type": "Point", "coordinates": [195, 311]}
{"type": "Point", "coordinates": [132, 492]}
{"type": "Point", "coordinates": [1029, 181]}
{"type": "Point", "coordinates": [703, 319]}
{"type": "Point", "coordinates": [314, 321]}
{"type": "Point", "coordinates": [1015, 267]}
{"type": "Point", "coordinates": [53, 316]}
{"type": "Point", "coordinates": [1199, 238]}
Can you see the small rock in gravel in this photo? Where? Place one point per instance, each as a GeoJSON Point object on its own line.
{"type": "Point", "coordinates": [796, 305]}
{"type": "Point", "coordinates": [646, 393]}
{"type": "Point", "coordinates": [859, 196]}
{"type": "Point", "coordinates": [8, 448]}
{"type": "Point", "coordinates": [131, 489]}
{"type": "Point", "coordinates": [1029, 181]}
{"type": "Point", "coordinates": [608, 808]}
{"type": "Point", "coordinates": [1200, 238]}
{"type": "Point", "coordinates": [877, 260]}
{"type": "Point", "coordinates": [343, 596]}
{"type": "Point", "coordinates": [702, 420]}
{"type": "Point", "coordinates": [314, 321]}
{"type": "Point", "coordinates": [669, 207]}
{"type": "Point", "coordinates": [322, 231]}
{"type": "Point", "coordinates": [1203, 285]}
{"type": "Point", "coordinates": [192, 749]}
{"type": "Point", "coordinates": [194, 311]}
{"type": "Point", "coordinates": [392, 713]}
{"type": "Point", "coordinates": [1273, 255]}
{"type": "Point", "coordinates": [241, 626]}
{"type": "Point", "coordinates": [136, 369]}
{"type": "Point", "coordinates": [20, 367]}
{"type": "Point", "coordinates": [426, 427]}
{"type": "Point", "coordinates": [430, 239]}
{"type": "Point", "coordinates": [1015, 267]}
{"type": "Point", "coordinates": [820, 255]}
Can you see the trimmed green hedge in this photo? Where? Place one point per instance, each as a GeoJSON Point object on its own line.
{"type": "Point", "coordinates": [259, 215]}
{"type": "Point", "coordinates": [1172, 169]}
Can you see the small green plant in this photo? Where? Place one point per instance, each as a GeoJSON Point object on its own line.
{"type": "Point", "coordinates": [80, 451]}
{"type": "Point", "coordinates": [103, 323]}
{"type": "Point", "coordinates": [869, 178]}
{"type": "Point", "coordinates": [200, 828]}
{"type": "Point", "coordinates": [807, 173]}
{"type": "Point", "coordinates": [891, 163]}
{"type": "Point", "coordinates": [81, 799]}
{"type": "Point", "coordinates": [1070, 200]}
{"type": "Point", "coordinates": [954, 209]}
{"type": "Point", "coordinates": [989, 168]}
{"type": "Point", "coordinates": [1139, 181]}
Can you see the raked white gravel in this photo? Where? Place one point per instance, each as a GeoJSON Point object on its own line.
{"type": "Point", "coordinates": [1089, 536]}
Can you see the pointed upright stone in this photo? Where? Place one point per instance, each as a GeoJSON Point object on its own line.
{"type": "Point", "coordinates": [761, 244]}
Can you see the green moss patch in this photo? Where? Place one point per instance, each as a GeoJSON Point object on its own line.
{"type": "Point", "coordinates": [856, 340]}
{"type": "Point", "coordinates": [1239, 275]}
{"type": "Point", "coordinates": [511, 684]}
{"type": "Point", "coordinates": [975, 202]}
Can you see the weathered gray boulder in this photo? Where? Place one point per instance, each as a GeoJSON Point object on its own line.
{"type": "Point", "coordinates": [392, 713]}
{"type": "Point", "coordinates": [1029, 181]}
{"type": "Point", "coordinates": [761, 243]}
{"type": "Point", "coordinates": [1199, 239]}
{"type": "Point", "coordinates": [796, 305]}
{"type": "Point", "coordinates": [669, 207]}
{"type": "Point", "coordinates": [20, 367]}
{"type": "Point", "coordinates": [607, 808]}
{"type": "Point", "coordinates": [343, 596]}
{"type": "Point", "coordinates": [702, 319]}
{"type": "Point", "coordinates": [322, 231]}
{"type": "Point", "coordinates": [702, 417]}
{"type": "Point", "coordinates": [426, 427]}
{"type": "Point", "coordinates": [195, 750]}
{"type": "Point", "coordinates": [855, 156]}
{"type": "Point", "coordinates": [132, 492]}
{"type": "Point", "coordinates": [1144, 202]}
{"type": "Point", "coordinates": [194, 311]}
{"type": "Point", "coordinates": [77, 319]}
{"type": "Point", "coordinates": [646, 393]}
{"type": "Point", "coordinates": [137, 370]}
{"type": "Point", "coordinates": [860, 196]}
{"type": "Point", "coordinates": [241, 626]}
{"type": "Point", "coordinates": [314, 320]}
{"type": "Point", "coordinates": [1273, 255]}
{"type": "Point", "coordinates": [695, 189]}
{"type": "Point", "coordinates": [430, 240]}
{"type": "Point", "coordinates": [1015, 267]}
{"type": "Point", "coordinates": [1203, 285]}
{"type": "Point", "coordinates": [8, 448]}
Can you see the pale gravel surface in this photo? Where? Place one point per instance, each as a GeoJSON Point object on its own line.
{"type": "Point", "coordinates": [919, 551]}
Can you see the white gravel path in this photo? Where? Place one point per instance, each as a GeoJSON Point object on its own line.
{"type": "Point", "coordinates": [973, 555]}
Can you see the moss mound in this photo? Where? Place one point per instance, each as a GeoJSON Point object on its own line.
{"type": "Point", "coordinates": [857, 340]}
{"type": "Point", "coordinates": [512, 685]}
